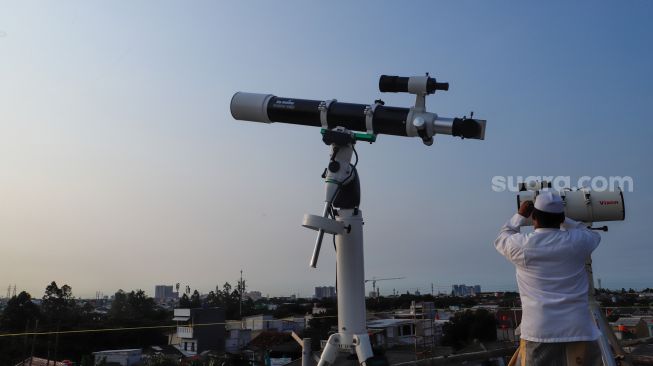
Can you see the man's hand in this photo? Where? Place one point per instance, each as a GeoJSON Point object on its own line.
{"type": "Point", "coordinates": [526, 209]}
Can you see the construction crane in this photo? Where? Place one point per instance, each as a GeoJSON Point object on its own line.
{"type": "Point", "coordinates": [374, 280]}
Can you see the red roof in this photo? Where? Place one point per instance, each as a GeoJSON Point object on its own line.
{"type": "Point", "coordinates": [35, 361]}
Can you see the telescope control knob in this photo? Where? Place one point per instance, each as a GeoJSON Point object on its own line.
{"type": "Point", "coordinates": [419, 122]}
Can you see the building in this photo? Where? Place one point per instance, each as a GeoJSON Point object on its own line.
{"type": "Point", "coordinates": [163, 293]}
{"type": "Point", "coordinates": [122, 357]}
{"type": "Point", "coordinates": [237, 339]}
{"type": "Point", "coordinates": [630, 328]}
{"type": "Point", "coordinates": [273, 348]}
{"type": "Point", "coordinates": [254, 295]}
{"type": "Point", "coordinates": [36, 361]}
{"type": "Point", "coordinates": [198, 330]}
{"type": "Point", "coordinates": [392, 332]}
{"type": "Point", "coordinates": [325, 292]}
{"type": "Point", "coordinates": [465, 291]}
{"type": "Point", "coordinates": [507, 322]}
{"type": "Point", "coordinates": [649, 324]}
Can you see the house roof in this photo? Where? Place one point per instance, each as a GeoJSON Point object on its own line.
{"type": "Point", "coordinates": [168, 350]}
{"type": "Point", "coordinates": [385, 323]}
{"type": "Point", "coordinates": [627, 321]}
{"type": "Point", "coordinates": [36, 361]}
{"type": "Point", "coordinates": [267, 339]}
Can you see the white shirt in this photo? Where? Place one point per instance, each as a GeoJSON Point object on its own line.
{"type": "Point", "coordinates": [552, 280]}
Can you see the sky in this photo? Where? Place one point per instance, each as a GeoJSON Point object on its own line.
{"type": "Point", "coordinates": [122, 168]}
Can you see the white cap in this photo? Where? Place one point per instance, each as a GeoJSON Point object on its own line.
{"type": "Point", "coordinates": [548, 202]}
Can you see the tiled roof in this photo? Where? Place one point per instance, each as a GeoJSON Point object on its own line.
{"type": "Point", "coordinates": [267, 339]}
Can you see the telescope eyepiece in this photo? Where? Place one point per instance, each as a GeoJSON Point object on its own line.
{"type": "Point", "coordinates": [433, 85]}
{"type": "Point", "coordinates": [468, 128]}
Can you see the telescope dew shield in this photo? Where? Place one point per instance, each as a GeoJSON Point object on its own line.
{"type": "Point", "coordinates": [585, 205]}
{"type": "Point", "coordinates": [385, 120]}
{"type": "Point", "coordinates": [250, 107]}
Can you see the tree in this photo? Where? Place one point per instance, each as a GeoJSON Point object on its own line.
{"type": "Point", "coordinates": [141, 305]}
{"type": "Point", "coordinates": [184, 302]}
{"type": "Point", "coordinates": [132, 306]}
{"type": "Point", "coordinates": [59, 304]}
{"type": "Point", "coordinates": [466, 326]}
{"type": "Point", "coordinates": [195, 301]}
{"type": "Point", "coordinates": [119, 307]}
{"type": "Point", "coordinates": [19, 311]}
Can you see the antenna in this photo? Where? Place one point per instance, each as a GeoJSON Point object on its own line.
{"type": "Point", "coordinates": [241, 290]}
{"type": "Point", "coordinates": [374, 280]}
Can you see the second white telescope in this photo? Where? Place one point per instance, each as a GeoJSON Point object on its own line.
{"type": "Point", "coordinates": [585, 205]}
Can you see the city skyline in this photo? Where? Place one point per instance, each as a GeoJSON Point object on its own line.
{"type": "Point", "coordinates": [123, 168]}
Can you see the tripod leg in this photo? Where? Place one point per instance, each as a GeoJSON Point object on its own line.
{"type": "Point", "coordinates": [330, 351]}
{"type": "Point", "coordinates": [363, 347]}
{"type": "Point", "coordinates": [607, 341]}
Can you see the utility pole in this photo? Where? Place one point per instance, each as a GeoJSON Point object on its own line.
{"type": "Point", "coordinates": [31, 356]}
{"type": "Point", "coordinates": [26, 339]}
{"type": "Point", "coordinates": [241, 290]}
{"type": "Point", "coordinates": [56, 342]}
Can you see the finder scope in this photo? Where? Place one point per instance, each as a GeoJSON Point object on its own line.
{"type": "Point", "coordinates": [374, 118]}
{"type": "Point", "coordinates": [414, 84]}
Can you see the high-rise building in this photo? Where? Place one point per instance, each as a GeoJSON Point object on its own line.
{"type": "Point", "coordinates": [464, 290]}
{"type": "Point", "coordinates": [325, 292]}
{"type": "Point", "coordinates": [164, 292]}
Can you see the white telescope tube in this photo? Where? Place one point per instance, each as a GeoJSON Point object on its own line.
{"type": "Point", "coordinates": [585, 205]}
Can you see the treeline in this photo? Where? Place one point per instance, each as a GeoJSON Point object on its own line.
{"type": "Point", "coordinates": [61, 312]}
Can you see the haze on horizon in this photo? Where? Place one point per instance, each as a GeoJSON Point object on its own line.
{"type": "Point", "coordinates": [121, 166]}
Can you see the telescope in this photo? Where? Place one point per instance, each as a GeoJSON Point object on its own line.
{"type": "Point", "coordinates": [342, 126]}
{"type": "Point", "coordinates": [587, 206]}
{"type": "Point", "coordinates": [580, 204]}
{"type": "Point", "coordinates": [373, 119]}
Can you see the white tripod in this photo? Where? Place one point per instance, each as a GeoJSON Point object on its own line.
{"type": "Point", "coordinates": [342, 218]}
{"type": "Point", "coordinates": [607, 341]}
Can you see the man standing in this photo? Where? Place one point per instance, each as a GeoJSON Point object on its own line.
{"type": "Point", "coordinates": [557, 327]}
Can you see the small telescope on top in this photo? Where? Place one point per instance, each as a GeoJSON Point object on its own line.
{"type": "Point", "coordinates": [373, 119]}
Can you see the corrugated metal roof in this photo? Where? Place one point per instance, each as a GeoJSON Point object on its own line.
{"type": "Point", "coordinates": [384, 323]}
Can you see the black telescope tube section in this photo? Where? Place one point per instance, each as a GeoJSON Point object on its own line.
{"type": "Point", "coordinates": [466, 128]}
{"type": "Point", "coordinates": [399, 84]}
{"type": "Point", "coordinates": [386, 120]}
{"type": "Point", "coordinates": [393, 84]}
{"type": "Point", "coordinates": [294, 111]}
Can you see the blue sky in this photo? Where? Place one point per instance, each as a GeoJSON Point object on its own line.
{"type": "Point", "coordinates": [122, 167]}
